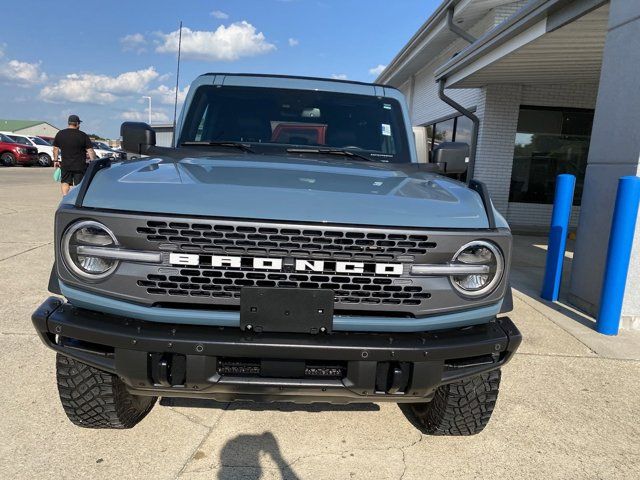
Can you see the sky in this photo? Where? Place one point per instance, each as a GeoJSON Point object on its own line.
{"type": "Point", "coordinates": [98, 59]}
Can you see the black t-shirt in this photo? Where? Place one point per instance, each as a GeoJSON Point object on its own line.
{"type": "Point", "coordinates": [74, 144]}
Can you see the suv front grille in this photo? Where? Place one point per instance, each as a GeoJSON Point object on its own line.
{"type": "Point", "coordinates": [283, 241]}
{"type": "Point", "coordinates": [226, 284]}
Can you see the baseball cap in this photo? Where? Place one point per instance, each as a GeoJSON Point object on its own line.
{"type": "Point", "coordinates": [74, 119]}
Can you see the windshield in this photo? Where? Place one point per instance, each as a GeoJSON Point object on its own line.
{"type": "Point", "coordinates": [39, 141]}
{"type": "Point", "coordinates": [271, 118]}
{"type": "Point", "coordinates": [4, 138]}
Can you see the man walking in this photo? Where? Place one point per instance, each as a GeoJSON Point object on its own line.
{"type": "Point", "coordinates": [75, 146]}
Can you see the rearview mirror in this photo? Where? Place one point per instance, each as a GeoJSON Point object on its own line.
{"type": "Point", "coordinates": [137, 137]}
{"type": "Point", "coordinates": [451, 157]}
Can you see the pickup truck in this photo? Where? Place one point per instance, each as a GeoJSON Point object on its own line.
{"type": "Point", "coordinates": [288, 247]}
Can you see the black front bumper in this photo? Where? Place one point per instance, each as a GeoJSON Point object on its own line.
{"type": "Point", "coordinates": [229, 364]}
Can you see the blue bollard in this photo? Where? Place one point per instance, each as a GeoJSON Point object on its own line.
{"type": "Point", "coordinates": [623, 226]}
{"type": "Point", "coordinates": [562, 202]}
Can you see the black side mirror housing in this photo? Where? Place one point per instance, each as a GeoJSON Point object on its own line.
{"type": "Point", "coordinates": [137, 137]}
{"type": "Point", "coordinates": [452, 157]}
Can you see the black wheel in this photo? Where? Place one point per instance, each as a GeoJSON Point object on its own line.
{"type": "Point", "coordinates": [95, 399]}
{"type": "Point", "coordinates": [460, 408]}
{"type": "Point", "coordinates": [8, 159]}
{"type": "Point", "coordinates": [44, 160]}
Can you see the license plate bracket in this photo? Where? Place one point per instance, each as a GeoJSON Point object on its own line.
{"type": "Point", "coordinates": [286, 310]}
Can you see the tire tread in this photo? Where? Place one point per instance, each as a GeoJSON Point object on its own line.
{"type": "Point", "coordinates": [460, 408]}
{"type": "Point", "coordinates": [92, 398]}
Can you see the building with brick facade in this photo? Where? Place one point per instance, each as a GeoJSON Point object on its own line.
{"type": "Point", "coordinates": [553, 84]}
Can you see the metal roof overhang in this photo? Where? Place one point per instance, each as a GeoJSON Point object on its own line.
{"type": "Point", "coordinates": [547, 42]}
{"type": "Point", "coordinates": [434, 37]}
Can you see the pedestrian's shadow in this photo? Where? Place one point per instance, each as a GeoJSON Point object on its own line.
{"type": "Point", "coordinates": [240, 457]}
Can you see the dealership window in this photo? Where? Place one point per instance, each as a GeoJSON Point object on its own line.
{"type": "Point", "coordinates": [549, 141]}
{"type": "Point", "coordinates": [453, 129]}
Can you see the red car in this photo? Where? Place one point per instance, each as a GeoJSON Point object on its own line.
{"type": "Point", "coordinates": [12, 153]}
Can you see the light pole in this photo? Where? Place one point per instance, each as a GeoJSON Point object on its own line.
{"type": "Point", "coordinates": [148, 98]}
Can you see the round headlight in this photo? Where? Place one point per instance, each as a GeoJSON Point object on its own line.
{"type": "Point", "coordinates": [93, 234]}
{"type": "Point", "coordinates": [478, 252]}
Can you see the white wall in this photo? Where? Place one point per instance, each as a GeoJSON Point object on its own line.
{"type": "Point", "coordinates": [498, 113]}
{"type": "Point", "coordinates": [424, 104]}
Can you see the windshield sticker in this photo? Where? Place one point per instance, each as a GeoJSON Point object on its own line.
{"type": "Point", "coordinates": [386, 129]}
{"type": "Point", "coordinates": [386, 106]}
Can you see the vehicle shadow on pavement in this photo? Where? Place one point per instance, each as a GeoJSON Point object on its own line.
{"type": "Point", "coordinates": [261, 407]}
{"type": "Point", "coordinates": [240, 457]}
{"type": "Point", "coordinates": [411, 417]}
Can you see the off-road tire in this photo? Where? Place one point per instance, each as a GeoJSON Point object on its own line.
{"type": "Point", "coordinates": [461, 408]}
{"type": "Point", "coordinates": [95, 399]}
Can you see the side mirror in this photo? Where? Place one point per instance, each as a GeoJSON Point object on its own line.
{"type": "Point", "coordinates": [137, 137]}
{"type": "Point", "coordinates": [452, 157]}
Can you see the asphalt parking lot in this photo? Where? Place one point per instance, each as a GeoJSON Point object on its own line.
{"type": "Point", "coordinates": [568, 406]}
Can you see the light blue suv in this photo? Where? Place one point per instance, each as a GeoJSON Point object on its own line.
{"type": "Point", "coordinates": [288, 247]}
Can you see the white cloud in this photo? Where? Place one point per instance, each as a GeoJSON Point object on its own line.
{"type": "Point", "coordinates": [377, 70]}
{"type": "Point", "coordinates": [143, 116]}
{"type": "Point", "coordinates": [22, 72]}
{"type": "Point", "coordinates": [230, 43]}
{"type": "Point", "coordinates": [134, 42]}
{"type": "Point", "coordinates": [339, 76]}
{"type": "Point", "coordinates": [219, 14]}
{"type": "Point", "coordinates": [293, 42]}
{"type": "Point", "coordinates": [100, 89]}
{"type": "Point", "coordinates": [168, 94]}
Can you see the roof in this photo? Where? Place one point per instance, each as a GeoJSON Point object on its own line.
{"type": "Point", "coordinates": [433, 37]}
{"type": "Point", "coordinates": [14, 125]}
{"type": "Point", "coordinates": [296, 77]}
{"type": "Point", "coordinates": [547, 41]}
{"type": "Point", "coordinates": [291, 83]}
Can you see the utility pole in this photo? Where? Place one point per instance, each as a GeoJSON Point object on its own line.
{"type": "Point", "coordinates": [148, 98]}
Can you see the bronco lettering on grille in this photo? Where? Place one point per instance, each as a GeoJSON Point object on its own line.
{"type": "Point", "coordinates": [259, 263]}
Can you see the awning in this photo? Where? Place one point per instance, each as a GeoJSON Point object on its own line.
{"type": "Point", "coordinates": [548, 42]}
{"type": "Point", "coordinates": [434, 37]}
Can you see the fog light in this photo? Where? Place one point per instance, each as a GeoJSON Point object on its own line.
{"type": "Point", "coordinates": [478, 253]}
{"type": "Point", "coordinates": [89, 233]}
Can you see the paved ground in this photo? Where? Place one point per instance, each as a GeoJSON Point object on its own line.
{"type": "Point", "coordinates": [568, 406]}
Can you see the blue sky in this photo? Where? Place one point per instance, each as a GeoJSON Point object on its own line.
{"type": "Point", "coordinates": [97, 59]}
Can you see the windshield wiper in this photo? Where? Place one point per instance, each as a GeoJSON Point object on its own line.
{"type": "Point", "coordinates": [210, 143]}
{"type": "Point", "coordinates": [331, 151]}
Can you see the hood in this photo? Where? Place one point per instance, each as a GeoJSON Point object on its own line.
{"type": "Point", "coordinates": [319, 190]}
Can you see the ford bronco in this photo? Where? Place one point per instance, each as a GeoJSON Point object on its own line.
{"type": "Point", "coordinates": [288, 247]}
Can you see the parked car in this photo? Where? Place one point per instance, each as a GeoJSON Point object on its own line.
{"type": "Point", "coordinates": [45, 149]}
{"type": "Point", "coordinates": [290, 248]}
{"type": "Point", "coordinates": [13, 153]}
{"type": "Point", "coordinates": [107, 151]}
{"type": "Point", "coordinates": [47, 139]}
